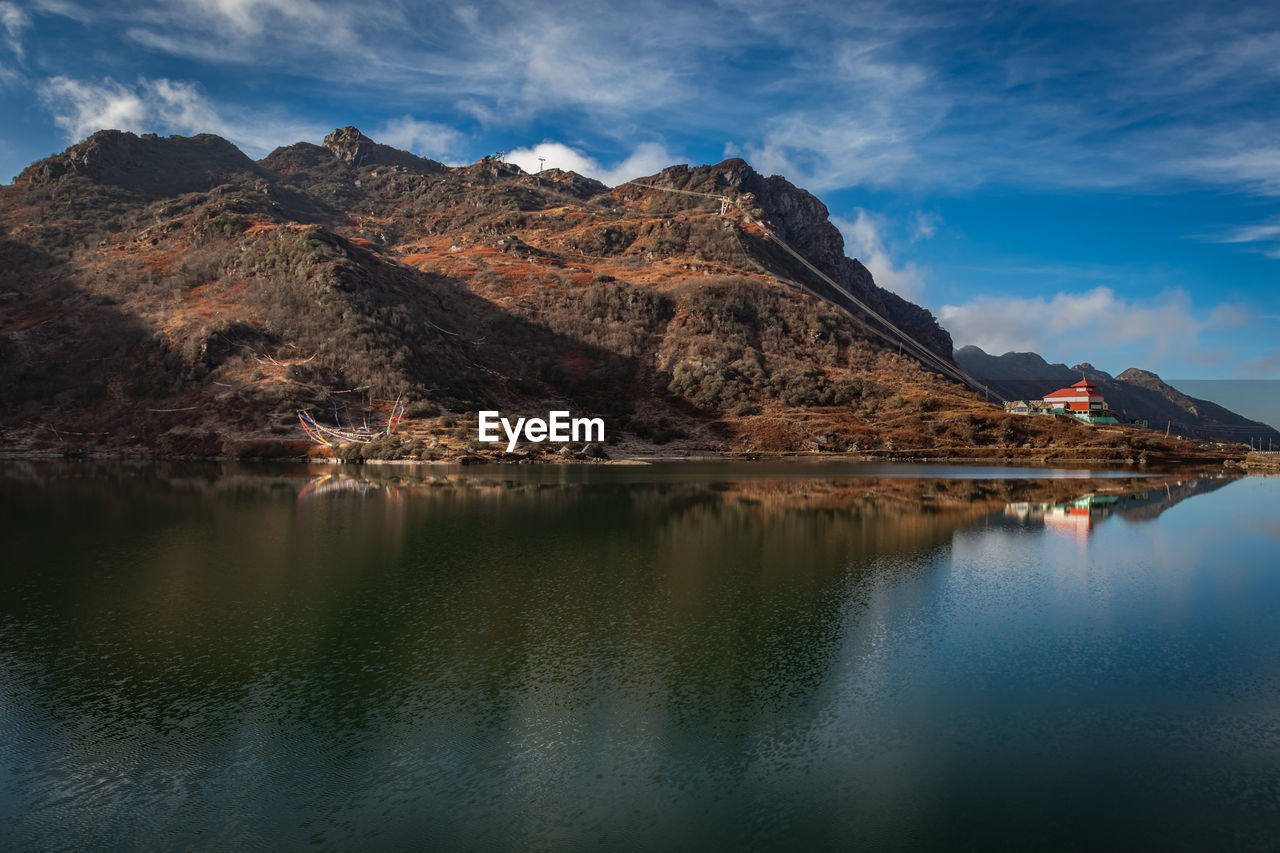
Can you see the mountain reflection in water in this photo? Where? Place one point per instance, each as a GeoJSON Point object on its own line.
{"type": "Point", "coordinates": [224, 657]}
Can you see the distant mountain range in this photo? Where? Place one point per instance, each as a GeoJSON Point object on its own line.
{"type": "Point", "coordinates": [1134, 394]}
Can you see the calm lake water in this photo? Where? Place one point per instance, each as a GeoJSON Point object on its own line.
{"type": "Point", "coordinates": [674, 657]}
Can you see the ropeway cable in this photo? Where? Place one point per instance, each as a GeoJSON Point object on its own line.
{"type": "Point", "coordinates": [922, 353]}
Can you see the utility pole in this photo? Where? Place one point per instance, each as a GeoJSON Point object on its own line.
{"type": "Point", "coordinates": [1167, 424]}
{"type": "Point", "coordinates": [541, 160]}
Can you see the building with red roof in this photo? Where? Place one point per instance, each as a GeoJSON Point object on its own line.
{"type": "Point", "coordinates": [1081, 401]}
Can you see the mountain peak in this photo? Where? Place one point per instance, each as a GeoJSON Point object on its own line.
{"type": "Point", "coordinates": [1091, 373]}
{"type": "Point", "coordinates": [152, 165]}
{"type": "Point", "coordinates": [800, 219]}
{"type": "Point", "coordinates": [350, 145]}
{"type": "Point", "coordinates": [1011, 365]}
{"type": "Point", "coordinates": [1138, 375]}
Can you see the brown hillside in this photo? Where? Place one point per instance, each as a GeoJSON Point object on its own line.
{"type": "Point", "coordinates": [170, 295]}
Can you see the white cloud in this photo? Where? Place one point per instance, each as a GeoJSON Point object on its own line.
{"type": "Point", "coordinates": [831, 95]}
{"type": "Point", "coordinates": [925, 225]}
{"type": "Point", "coordinates": [562, 62]}
{"type": "Point", "coordinates": [821, 151]}
{"type": "Point", "coordinates": [903, 103]}
{"type": "Point", "coordinates": [64, 8]}
{"type": "Point", "coordinates": [424, 138]}
{"type": "Point", "coordinates": [878, 105]}
{"type": "Point", "coordinates": [13, 20]}
{"type": "Point", "coordinates": [252, 16]}
{"type": "Point", "coordinates": [1253, 164]}
{"type": "Point", "coordinates": [240, 23]}
{"type": "Point", "coordinates": [12, 23]}
{"type": "Point", "coordinates": [503, 58]}
{"type": "Point", "coordinates": [1252, 234]}
{"type": "Point", "coordinates": [646, 159]}
{"type": "Point", "coordinates": [81, 107]}
{"type": "Point", "coordinates": [1096, 322]}
{"type": "Point", "coordinates": [1261, 238]}
{"type": "Point", "coordinates": [553, 155]}
{"type": "Point", "coordinates": [864, 240]}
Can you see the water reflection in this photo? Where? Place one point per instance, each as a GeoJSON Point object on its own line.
{"type": "Point", "coordinates": [1134, 501]}
{"type": "Point", "coordinates": [225, 657]}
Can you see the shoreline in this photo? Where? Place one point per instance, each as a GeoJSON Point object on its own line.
{"type": "Point", "coordinates": [995, 459]}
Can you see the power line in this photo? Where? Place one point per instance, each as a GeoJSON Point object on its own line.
{"type": "Point", "coordinates": [922, 352]}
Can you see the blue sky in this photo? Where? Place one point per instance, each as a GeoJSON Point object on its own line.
{"type": "Point", "coordinates": [1092, 181]}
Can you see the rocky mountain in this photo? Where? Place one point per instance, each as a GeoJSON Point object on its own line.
{"type": "Point", "coordinates": [1133, 394]}
{"type": "Point", "coordinates": [172, 295]}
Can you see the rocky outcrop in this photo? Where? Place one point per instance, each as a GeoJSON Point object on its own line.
{"type": "Point", "coordinates": [351, 146]}
{"type": "Point", "coordinates": [355, 149]}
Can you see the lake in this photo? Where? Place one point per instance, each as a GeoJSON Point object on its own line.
{"type": "Point", "coordinates": [683, 656]}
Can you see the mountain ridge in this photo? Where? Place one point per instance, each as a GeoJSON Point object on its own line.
{"type": "Point", "coordinates": [171, 295]}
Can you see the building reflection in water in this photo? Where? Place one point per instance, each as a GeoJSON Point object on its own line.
{"type": "Point", "coordinates": [1078, 517]}
{"type": "Point", "coordinates": [1075, 519]}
